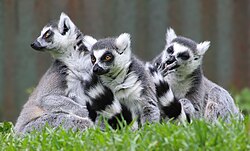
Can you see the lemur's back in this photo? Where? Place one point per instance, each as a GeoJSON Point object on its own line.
{"type": "Point", "coordinates": [218, 94]}
{"type": "Point", "coordinates": [49, 104]}
{"type": "Point", "coordinates": [52, 82]}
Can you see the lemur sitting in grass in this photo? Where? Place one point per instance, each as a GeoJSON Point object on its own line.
{"type": "Point", "coordinates": [126, 76]}
{"type": "Point", "coordinates": [59, 99]}
{"type": "Point", "coordinates": [187, 80]}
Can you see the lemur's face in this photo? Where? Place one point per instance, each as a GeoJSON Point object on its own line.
{"type": "Point", "coordinates": [182, 57]}
{"type": "Point", "coordinates": [110, 55]}
{"type": "Point", "coordinates": [103, 61]}
{"type": "Point", "coordinates": [183, 54]}
{"type": "Point", "coordinates": [56, 36]}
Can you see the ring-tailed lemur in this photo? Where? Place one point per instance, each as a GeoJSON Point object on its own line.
{"type": "Point", "coordinates": [58, 98]}
{"type": "Point", "coordinates": [188, 81]}
{"type": "Point", "coordinates": [126, 76]}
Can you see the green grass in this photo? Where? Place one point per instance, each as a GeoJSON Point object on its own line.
{"type": "Point", "coordinates": [242, 98]}
{"type": "Point", "coordinates": [168, 136]}
{"type": "Point", "coordinates": [196, 136]}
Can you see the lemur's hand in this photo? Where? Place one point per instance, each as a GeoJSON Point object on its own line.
{"type": "Point", "coordinates": [166, 69]}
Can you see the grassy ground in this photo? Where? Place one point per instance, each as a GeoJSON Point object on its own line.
{"type": "Point", "coordinates": [196, 136]}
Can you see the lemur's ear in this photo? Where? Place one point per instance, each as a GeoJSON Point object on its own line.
{"type": "Point", "coordinates": [65, 24]}
{"type": "Point", "coordinates": [203, 47]}
{"type": "Point", "coordinates": [89, 41]}
{"type": "Point", "coordinates": [170, 35]}
{"type": "Point", "coordinates": [122, 42]}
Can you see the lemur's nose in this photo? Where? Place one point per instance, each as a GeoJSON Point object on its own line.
{"type": "Point", "coordinates": [99, 70]}
{"type": "Point", "coordinates": [32, 45]}
{"type": "Point", "coordinates": [171, 60]}
{"type": "Point", "coordinates": [36, 45]}
{"type": "Point", "coordinates": [95, 68]}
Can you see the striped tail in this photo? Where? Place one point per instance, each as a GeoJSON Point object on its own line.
{"type": "Point", "coordinates": [170, 107]}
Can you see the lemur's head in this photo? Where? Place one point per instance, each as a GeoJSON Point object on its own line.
{"type": "Point", "coordinates": [61, 35]}
{"type": "Point", "coordinates": [111, 54]}
{"type": "Point", "coordinates": [184, 53]}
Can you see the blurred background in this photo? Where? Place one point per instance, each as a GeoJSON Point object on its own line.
{"type": "Point", "coordinates": [226, 23]}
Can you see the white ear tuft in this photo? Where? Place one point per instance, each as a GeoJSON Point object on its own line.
{"type": "Point", "coordinates": [123, 42]}
{"type": "Point", "coordinates": [65, 24]}
{"type": "Point", "coordinates": [203, 47]}
{"type": "Point", "coordinates": [170, 35]}
{"type": "Point", "coordinates": [89, 41]}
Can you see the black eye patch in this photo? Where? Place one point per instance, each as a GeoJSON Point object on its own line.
{"type": "Point", "coordinates": [47, 36]}
{"type": "Point", "coordinates": [93, 59]}
{"type": "Point", "coordinates": [107, 57]}
{"type": "Point", "coordinates": [170, 50]}
{"type": "Point", "coordinates": [183, 55]}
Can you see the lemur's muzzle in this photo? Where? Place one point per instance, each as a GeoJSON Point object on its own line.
{"type": "Point", "coordinates": [99, 70]}
{"type": "Point", "coordinates": [171, 60]}
{"type": "Point", "coordinates": [36, 45]}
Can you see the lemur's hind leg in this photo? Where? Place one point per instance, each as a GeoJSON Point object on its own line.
{"type": "Point", "coordinates": [212, 111]}
{"type": "Point", "coordinates": [54, 120]}
{"type": "Point", "coordinates": [217, 106]}
{"type": "Point", "coordinates": [188, 109]}
{"type": "Point", "coordinates": [58, 103]}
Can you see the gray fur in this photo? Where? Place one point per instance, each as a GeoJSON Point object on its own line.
{"type": "Point", "coordinates": [107, 43]}
{"type": "Point", "coordinates": [186, 42]}
{"type": "Point", "coordinates": [212, 101]}
{"type": "Point", "coordinates": [48, 100]}
{"type": "Point", "coordinates": [65, 120]}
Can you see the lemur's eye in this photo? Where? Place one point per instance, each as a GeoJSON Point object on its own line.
{"type": "Point", "coordinates": [170, 50]}
{"type": "Point", "coordinates": [108, 58]}
{"type": "Point", "coordinates": [184, 55]}
{"type": "Point", "coordinates": [93, 59]}
{"type": "Point", "coordinates": [47, 34]}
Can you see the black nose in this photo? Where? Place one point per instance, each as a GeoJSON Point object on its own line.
{"type": "Point", "coordinates": [95, 68]}
{"type": "Point", "coordinates": [36, 45]}
{"type": "Point", "coordinates": [171, 60]}
{"type": "Point", "coordinates": [99, 70]}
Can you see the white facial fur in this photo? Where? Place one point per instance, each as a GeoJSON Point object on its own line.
{"type": "Point", "coordinates": [186, 66]}
{"type": "Point", "coordinates": [98, 54]}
